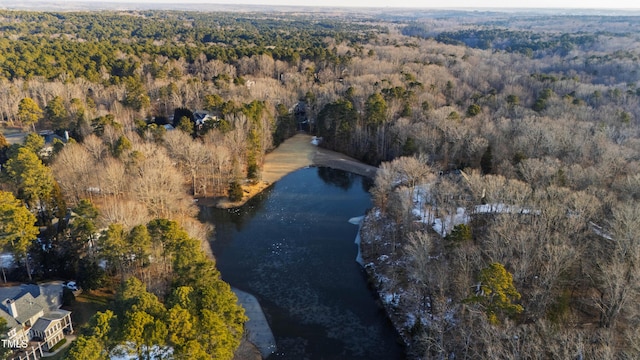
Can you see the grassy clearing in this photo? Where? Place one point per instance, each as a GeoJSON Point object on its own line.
{"type": "Point", "coordinates": [87, 304]}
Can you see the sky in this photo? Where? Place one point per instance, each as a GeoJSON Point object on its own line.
{"type": "Point", "coordinates": [566, 4]}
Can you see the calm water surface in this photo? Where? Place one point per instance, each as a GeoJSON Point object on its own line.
{"type": "Point", "coordinates": [293, 248]}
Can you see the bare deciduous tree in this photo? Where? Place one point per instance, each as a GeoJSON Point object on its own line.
{"type": "Point", "coordinates": [617, 266]}
{"type": "Point", "coordinates": [75, 171]}
{"type": "Point", "coordinates": [192, 156]}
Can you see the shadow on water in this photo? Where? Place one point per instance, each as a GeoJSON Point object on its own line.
{"type": "Point", "coordinates": [236, 216]}
{"type": "Point", "coordinates": [343, 179]}
{"type": "Point", "coordinates": [293, 248]}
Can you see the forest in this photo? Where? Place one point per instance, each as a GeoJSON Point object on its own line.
{"type": "Point", "coordinates": [505, 219]}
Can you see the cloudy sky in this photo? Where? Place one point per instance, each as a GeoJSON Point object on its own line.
{"type": "Point", "coordinates": [581, 4]}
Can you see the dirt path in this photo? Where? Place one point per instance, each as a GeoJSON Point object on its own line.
{"type": "Point", "coordinates": [296, 153]}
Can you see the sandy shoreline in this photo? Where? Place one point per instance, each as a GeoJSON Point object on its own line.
{"type": "Point", "coordinates": [257, 330]}
{"type": "Point", "coordinates": [295, 153]}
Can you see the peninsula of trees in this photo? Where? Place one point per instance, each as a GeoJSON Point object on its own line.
{"type": "Point", "coordinates": [505, 222]}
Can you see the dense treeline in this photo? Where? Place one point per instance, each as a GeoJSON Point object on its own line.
{"type": "Point", "coordinates": [488, 266]}
{"type": "Point", "coordinates": [187, 311]}
{"type": "Point", "coordinates": [533, 155]}
{"type": "Point", "coordinates": [526, 43]}
{"type": "Point", "coordinates": [87, 45]}
{"type": "Point", "coordinates": [197, 317]}
{"type": "Point", "coordinates": [511, 231]}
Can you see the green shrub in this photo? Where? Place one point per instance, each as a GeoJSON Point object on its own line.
{"type": "Point", "coordinates": [473, 110]}
{"type": "Point", "coordinates": [252, 171]}
{"type": "Point", "coordinates": [58, 345]}
{"type": "Point", "coordinates": [559, 310]}
{"type": "Point", "coordinates": [460, 234]}
{"type": "Point", "coordinates": [235, 191]}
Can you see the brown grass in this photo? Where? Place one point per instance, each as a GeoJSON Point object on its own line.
{"type": "Point", "coordinates": [295, 153]}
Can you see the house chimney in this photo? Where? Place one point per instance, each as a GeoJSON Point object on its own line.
{"type": "Point", "coordinates": [11, 305]}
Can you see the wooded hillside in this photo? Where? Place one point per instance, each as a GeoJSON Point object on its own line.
{"type": "Point", "coordinates": [521, 129]}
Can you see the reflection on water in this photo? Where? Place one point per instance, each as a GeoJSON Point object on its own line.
{"type": "Point", "coordinates": [292, 247]}
{"type": "Point", "coordinates": [343, 179]}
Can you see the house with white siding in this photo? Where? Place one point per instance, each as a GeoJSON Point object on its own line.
{"type": "Point", "coordinates": [33, 314]}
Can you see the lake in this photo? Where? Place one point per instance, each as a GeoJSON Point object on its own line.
{"type": "Point", "coordinates": [292, 247]}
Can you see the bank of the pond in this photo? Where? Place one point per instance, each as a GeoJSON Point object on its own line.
{"type": "Point", "coordinates": [292, 248]}
{"type": "Point", "coordinates": [293, 154]}
{"type": "Point", "coordinates": [257, 328]}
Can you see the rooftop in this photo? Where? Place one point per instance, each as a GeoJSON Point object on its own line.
{"type": "Point", "coordinates": [29, 300]}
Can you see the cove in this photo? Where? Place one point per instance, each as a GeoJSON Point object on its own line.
{"type": "Point", "coordinates": [292, 247]}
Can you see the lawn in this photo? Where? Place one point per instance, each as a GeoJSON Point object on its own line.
{"type": "Point", "coordinates": [87, 304]}
{"type": "Point", "coordinates": [83, 308]}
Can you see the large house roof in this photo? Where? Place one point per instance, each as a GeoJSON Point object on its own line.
{"type": "Point", "coordinates": [28, 301]}
{"type": "Point", "coordinates": [11, 322]}
{"type": "Point", "coordinates": [49, 319]}
{"type": "Point", "coordinates": [27, 307]}
{"type": "Point", "coordinates": [42, 325]}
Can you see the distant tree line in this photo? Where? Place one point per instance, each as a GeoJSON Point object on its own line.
{"type": "Point", "coordinates": [552, 133]}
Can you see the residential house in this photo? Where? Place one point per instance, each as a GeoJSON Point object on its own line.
{"type": "Point", "coordinates": [50, 139]}
{"type": "Point", "coordinates": [202, 116]}
{"type": "Point", "coordinates": [33, 313]}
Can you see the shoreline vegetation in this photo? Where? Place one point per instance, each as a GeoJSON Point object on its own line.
{"type": "Point", "coordinates": [293, 154]}
{"type": "Point", "coordinates": [532, 114]}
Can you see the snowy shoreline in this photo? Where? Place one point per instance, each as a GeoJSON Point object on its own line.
{"type": "Point", "coordinates": [386, 299]}
{"type": "Point", "coordinates": [257, 328]}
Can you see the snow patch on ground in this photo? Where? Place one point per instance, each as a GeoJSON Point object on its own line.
{"type": "Point", "coordinates": [391, 299]}
{"type": "Point", "coordinates": [411, 321]}
{"type": "Point", "coordinates": [6, 260]}
{"type": "Point", "coordinates": [442, 222]}
{"type": "Point", "coordinates": [316, 140]}
{"type": "Point", "coordinates": [444, 225]}
{"type": "Point", "coordinates": [128, 352]}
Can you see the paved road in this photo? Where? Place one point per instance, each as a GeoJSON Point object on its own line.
{"type": "Point", "coordinates": [14, 136]}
